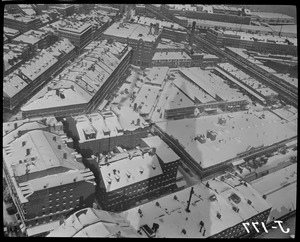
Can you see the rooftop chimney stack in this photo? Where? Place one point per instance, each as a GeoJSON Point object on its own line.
{"type": "Point", "coordinates": [156, 29]}
{"type": "Point", "coordinates": [189, 201]}
{"type": "Point", "coordinates": [27, 151]}
{"type": "Point", "coordinates": [192, 33]}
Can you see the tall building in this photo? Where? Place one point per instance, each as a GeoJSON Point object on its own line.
{"type": "Point", "coordinates": [80, 34]}
{"type": "Point", "coordinates": [84, 84]}
{"type": "Point", "coordinates": [46, 179]}
{"type": "Point", "coordinates": [142, 39]}
{"type": "Point", "coordinates": [132, 176]}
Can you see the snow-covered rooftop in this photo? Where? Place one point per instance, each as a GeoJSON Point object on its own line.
{"type": "Point", "coordinates": [79, 82]}
{"type": "Point", "coordinates": [89, 222]}
{"type": "Point", "coordinates": [280, 188]}
{"type": "Point", "coordinates": [171, 55]}
{"type": "Point", "coordinates": [163, 151]}
{"type": "Point", "coordinates": [124, 169]}
{"type": "Point", "coordinates": [169, 212]}
{"type": "Point", "coordinates": [147, 21]}
{"type": "Point", "coordinates": [131, 31]}
{"type": "Point", "coordinates": [157, 75]}
{"type": "Point", "coordinates": [241, 130]}
{"type": "Point", "coordinates": [74, 27]}
{"type": "Point", "coordinates": [31, 37]}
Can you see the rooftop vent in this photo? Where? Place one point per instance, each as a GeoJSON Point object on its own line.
{"type": "Point", "coordinates": [27, 151]}
{"type": "Point", "coordinates": [218, 215]}
{"type": "Point", "coordinates": [153, 166]}
{"type": "Point", "coordinates": [141, 170]}
{"type": "Point", "coordinates": [54, 138]}
{"type": "Point", "coordinates": [235, 209]}
{"type": "Point", "coordinates": [128, 174]}
{"type": "Point", "coordinates": [117, 177]}
{"type": "Point", "coordinates": [23, 143]}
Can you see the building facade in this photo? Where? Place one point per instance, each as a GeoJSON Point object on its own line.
{"type": "Point", "coordinates": [139, 174]}
{"type": "Point", "coordinates": [80, 34]}
{"type": "Point", "coordinates": [20, 85]}
{"type": "Point", "coordinates": [45, 183]}
{"type": "Point", "coordinates": [264, 44]}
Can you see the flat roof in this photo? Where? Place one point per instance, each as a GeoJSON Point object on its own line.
{"type": "Point", "coordinates": [271, 15]}
{"type": "Point", "coordinates": [31, 37]}
{"type": "Point", "coordinates": [146, 97]}
{"type": "Point", "coordinates": [170, 55]}
{"type": "Point", "coordinates": [12, 84]}
{"type": "Point", "coordinates": [131, 31]}
{"type": "Point", "coordinates": [281, 40]}
{"type": "Point", "coordinates": [125, 171]}
{"type": "Point", "coordinates": [73, 27]}
{"type": "Point", "coordinates": [163, 151]}
{"type": "Point", "coordinates": [241, 131]}
{"type": "Point", "coordinates": [147, 21]}
{"type": "Point", "coordinates": [280, 188]}
{"type": "Point", "coordinates": [169, 212]}
{"type": "Point", "coordinates": [102, 125]}
{"type": "Point", "coordinates": [157, 75]}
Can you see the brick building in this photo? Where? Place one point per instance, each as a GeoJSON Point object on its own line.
{"type": "Point", "coordinates": [25, 81]}
{"type": "Point", "coordinates": [135, 175]}
{"type": "Point", "coordinates": [80, 34]}
{"type": "Point", "coordinates": [254, 42]}
{"type": "Point", "coordinates": [101, 133]}
{"type": "Point", "coordinates": [84, 84]}
{"type": "Point", "coordinates": [46, 178]}
{"type": "Point", "coordinates": [142, 39]}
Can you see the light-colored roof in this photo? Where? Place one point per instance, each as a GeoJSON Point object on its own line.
{"type": "Point", "coordinates": [129, 171]}
{"type": "Point", "coordinates": [157, 75]}
{"type": "Point", "coordinates": [89, 222]}
{"type": "Point", "coordinates": [43, 153]}
{"type": "Point", "coordinates": [147, 21]}
{"type": "Point", "coordinates": [239, 132]}
{"type": "Point", "coordinates": [170, 214]}
{"type": "Point", "coordinates": [74, 27]}
{"type": "Point", "coordinates": [280, 40]}
{"type": "Point", "coordinates": [131, 31]}
{"type": "Point", "coordinates": [146, 97]}
{"type": "Point", "coordinates": [280, 188]}
{"type": "Point", "coordinates": [31, 37]}
{"type": "Point", "coordinates": [81, 80]}
{"type": "Point", "coordinates": [12, 84]}
{"type": "Point", "coordinates": [271, 15]}
{"type": "Point", "coordinates": [163, 151]}
{"type": "Point", "coordinates": [171, 55]}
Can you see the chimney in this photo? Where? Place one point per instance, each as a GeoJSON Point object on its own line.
{"type": "Point", "coordinates": [54, 138]}
{"type": "Point", "coordinates": [65, 155]}
{"type": "Point", "coordinates": [57, 92]}
{"type": "Point", "coordinates": [15, 125]}
{"type": "Point", "coordinates": [138, 122]}
{"type": "Point", "coordinates": [156, 29]}
{"type": "Point", "coordinates": [23, 143]}
{"type": "Point", "coordinates": [59, 147]}
{"type": "Point", "coordinates": [27, 151]}
{"type": "Point", "coordinates": [192, 33]}
{"type": "Point", "coordinates": [189, 201]}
